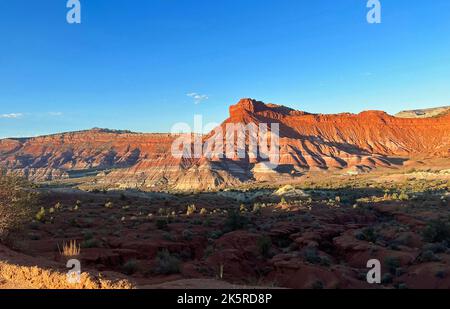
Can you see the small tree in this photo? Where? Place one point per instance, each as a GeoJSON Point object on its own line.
{"type": "Point", "coordinates": [16, 203]}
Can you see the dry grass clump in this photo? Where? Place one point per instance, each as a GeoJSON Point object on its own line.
{"type": "Point", "coordinates": [37, 278]}
{"type": "Point", "coordinates": [70, 249]}
{"type": "Point", "coordinates": [191, 209]}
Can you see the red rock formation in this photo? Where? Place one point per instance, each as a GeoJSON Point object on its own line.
{"type": "Point", "coordinates": [356, 143]}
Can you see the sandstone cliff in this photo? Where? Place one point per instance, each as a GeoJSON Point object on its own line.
{"type": "Point", "coordinates": [122, 159]}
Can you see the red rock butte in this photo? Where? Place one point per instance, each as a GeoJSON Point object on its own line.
{"type": "Point", "coordinates": [353, 143]}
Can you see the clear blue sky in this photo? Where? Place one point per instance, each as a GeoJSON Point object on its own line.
{"type": "Point", "coordinates": [131, 64]}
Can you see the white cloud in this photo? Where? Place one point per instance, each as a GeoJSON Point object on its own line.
{"type": "Point", "coordinates": [55, 114]}
{"type": "Point", "coordinates": [11, 116]}
{"type": "Point", "coordinates": [198, 98]}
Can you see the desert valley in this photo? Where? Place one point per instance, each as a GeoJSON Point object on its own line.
{"type": "Point", "coordinates": [348, 188]}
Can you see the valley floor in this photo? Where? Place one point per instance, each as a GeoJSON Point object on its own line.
{"type": "Point", "coordinates": [318, 233]}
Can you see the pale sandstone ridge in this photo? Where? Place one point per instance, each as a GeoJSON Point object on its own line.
{"type": "Point", "coordinates": [353, 143]}
{"type": "Point", "coordinates": [424, 113]}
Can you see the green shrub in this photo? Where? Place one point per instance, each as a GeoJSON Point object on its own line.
{"type": "Point", "coordinates": [264, 244]}
{"type": "Point", "coordinates": [16, 204]}
{"type": "Point", "coordinates": [392, 264]}
{"type": "Point", "coordinates": [166, 263]}
{"type": "Point", "coordinates": [90, 243]}
{"type": "Point", "coordinates": [208, 252]}
{"type": "Point", "coordinates": [387, 278]}
{"type": "Point", "coordinates": [235, 221]}
{"type": "Point", "coordinates": [318, 285]}
{"type": "Point", "coordinates": [87, 235]}
{"type": "Point", "coordinates": [215, 234]}
{"type": "Point", "coordinates": [427, 256]}
{"type": "Point", "coordinates": [130, 267]}
{"type": "Point", "coordinates": [437, 231]}
{"type": "Point", "coordinates": [367, 234]}
{"type": "Point", "coordinates": [311, 256]}
{"type": "Point", "coordinates": [187, 235]}
{"type": "Point", "coordinates": [162, 223]}
{"type": "Point", "coordinates": [207, 222]}
{"type": "Point", "coordinates": [169, 236]}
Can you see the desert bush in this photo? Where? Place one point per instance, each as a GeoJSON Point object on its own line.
{"type": "Point", "coordinates": [88, 234]}
{"type": "Point", "coordinates": [207, 222]}
{"type": "Point", "coordinates": [437, 231]}
{"type": "Point", "coordinates": [440, 274]}
{"type": "Point", "coordinates": [215, 234]}
{"type": "Point", "coordinates": [167, 263]}
{"type": "Point", "coordinates": [161, 223]}
{"type": "Point", "coordinates": [16, 204]}
{"type": "Point", "coordinates": [208, 252]}
{"type": "Point", "coordinates": [90, 243]}
{"type": "Point", "coordinates": [436, 247]}
{"type": "Point", "coordinates": [130, 267]}
{"type": "Point", "coordinates": [187, 235]}
{"type": "Point", "coordinates": [235, 221]}
{"type": "Point", "coordinates": [40, 215]}
{"type": "Point", "coordinates": [197, 222]}
{"type": "Point", "coordinates": [317, 285]}
{"type": "Point", "coordinates": [264, 244]}
{"type": "Point", "coordinates": [427, 256]}
{"type": "Point", "coordinates": [367, 234]}
{"type": "Point", "coordinates": [392, 264]}
{"type": "Point", "coordinates": [311, 256]}
{"type": "Point", "coordinates": [387, 278]}
{"type": "Point", "coordinates": [169, 236]}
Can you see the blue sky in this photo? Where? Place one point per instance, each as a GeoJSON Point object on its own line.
{"type": "Point", "coordinates": [131, 64]}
